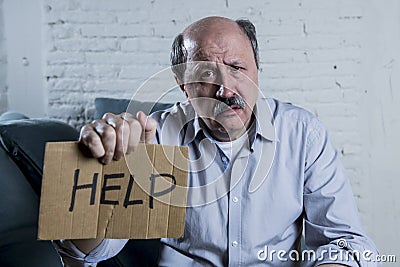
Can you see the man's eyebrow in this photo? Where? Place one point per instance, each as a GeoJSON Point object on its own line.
{"type": "Point", "coordinates": [198, 65]}
{"type": "Point", "coordinates": [233, 62]}
{"type": "Point", "coordinates": [199, 55]}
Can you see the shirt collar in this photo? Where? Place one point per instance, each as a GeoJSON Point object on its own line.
{"type": "Point", "coordinates": [264, 119]}
{"type": "Point", "coordinates": [193, 128]}
{"type": "Point", "coordinates": [264, 123]}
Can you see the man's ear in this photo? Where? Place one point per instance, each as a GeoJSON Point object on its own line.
{"type": "Point", "coordinates": [181, 85]}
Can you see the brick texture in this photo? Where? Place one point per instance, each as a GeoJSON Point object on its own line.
{"type": "Point", "coordinates": [309, 50]}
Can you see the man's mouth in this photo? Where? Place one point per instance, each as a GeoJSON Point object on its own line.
{"type": "Point", "coordinates": [232, 104]}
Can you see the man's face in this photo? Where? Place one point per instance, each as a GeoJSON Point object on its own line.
{"type": "Point", "coordinates": [221, 79]}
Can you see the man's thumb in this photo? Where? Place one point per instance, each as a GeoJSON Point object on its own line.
{"type": "Point", "coordinates": [149, 127]}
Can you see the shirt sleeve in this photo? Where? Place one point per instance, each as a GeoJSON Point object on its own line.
{"type": "Point", "coordinates": [72, 256]}
{"type": "Point", "coordinates": [332, 226]}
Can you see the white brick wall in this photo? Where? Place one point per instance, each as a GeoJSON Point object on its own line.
{"type": "Point", "coordinates": [96, 46]}
{"type": "Point", "coordinates": [310, 50]}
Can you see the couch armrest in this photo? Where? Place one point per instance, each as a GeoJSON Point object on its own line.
{"type": "Point", "coordinates": [21, 161]}
{"type": "Point", "coordinates": [25, 142]}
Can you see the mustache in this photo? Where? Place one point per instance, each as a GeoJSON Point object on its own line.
{"type": "Point", "coordinates": [224, 103]}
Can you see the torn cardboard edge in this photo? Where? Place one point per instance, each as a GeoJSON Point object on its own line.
{"type": "Point", "coordinates": [141, 197]}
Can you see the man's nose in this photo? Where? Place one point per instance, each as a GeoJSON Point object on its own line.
{"type": "Point", "coordinates": [224, 92]}
{"type": "Point", "coordinates": [227, 83]}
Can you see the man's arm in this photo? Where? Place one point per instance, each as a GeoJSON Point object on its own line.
{"type": "Point", "coordinates": [332, 226]}
{"type": "Point", "coordinates": [87, 245]}
{"type": "Point", "coordinates": [73, 256]}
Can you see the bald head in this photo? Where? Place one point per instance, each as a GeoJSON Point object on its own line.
{"type": "Point", "coordinates": [205, 25]}
{"type": "Point", "coordinates": [210, 28]}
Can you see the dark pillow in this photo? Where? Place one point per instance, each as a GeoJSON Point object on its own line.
{"type": "Point", "coordinates": [25, 141]}
{"type": "Point", "coordinates": [116, 106]}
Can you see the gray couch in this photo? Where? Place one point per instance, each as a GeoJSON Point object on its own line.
{"type": "Point", "coordinates": [21, 162]}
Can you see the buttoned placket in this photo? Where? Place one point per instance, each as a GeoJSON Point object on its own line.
{"type": "Point", "coordinates": [238, 175]}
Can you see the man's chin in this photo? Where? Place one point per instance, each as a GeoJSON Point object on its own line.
{"type": "Point", "coordinates": [229, 112]}
{"type": "Point", "coordinates": [229, 126]}
{"type": "Point", "coordinates": [231, 118]}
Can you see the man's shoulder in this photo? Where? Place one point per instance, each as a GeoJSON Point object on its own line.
{"type": "Point", "coordinates": [292, 120]}
{"type": "Point", "coordinates": [289, 112]}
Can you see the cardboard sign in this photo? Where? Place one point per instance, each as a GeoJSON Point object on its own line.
{"type": "Point", "coordinates": [143, 196]}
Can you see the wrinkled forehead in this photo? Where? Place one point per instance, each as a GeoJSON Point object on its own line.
{"type": "Point", "coordinates": [202, 40]}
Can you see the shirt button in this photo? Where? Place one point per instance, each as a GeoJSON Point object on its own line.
{"type": "Point", "coordinates": [235, 244]}
{"type": "Point", "coordinates": [235, 199]}
{"type": "Point", "coordinates": [224, 159]}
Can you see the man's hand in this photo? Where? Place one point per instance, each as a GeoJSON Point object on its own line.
{"type": "Point", "coordinates": [110, 138]}
{"type": "Point", "coordinates": [114, 135]}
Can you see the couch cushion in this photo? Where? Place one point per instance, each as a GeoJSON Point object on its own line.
{"type": "Point", "coordinates": [25, 141]}
{"type": "Point", "coordinates": [21, 161]}
{"type": "Point", "coordinates": [18, 225]}
{"type": "Point", "coordinates": [116, 106]}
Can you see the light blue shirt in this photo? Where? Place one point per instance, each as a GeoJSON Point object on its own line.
{"type": "Point", "coordinates": [249, 209]}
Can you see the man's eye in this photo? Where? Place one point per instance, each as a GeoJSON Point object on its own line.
{"type": "Point", "coordinates": [207, 74]}
{"type": "Point", "coordinates": [235, 68]}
